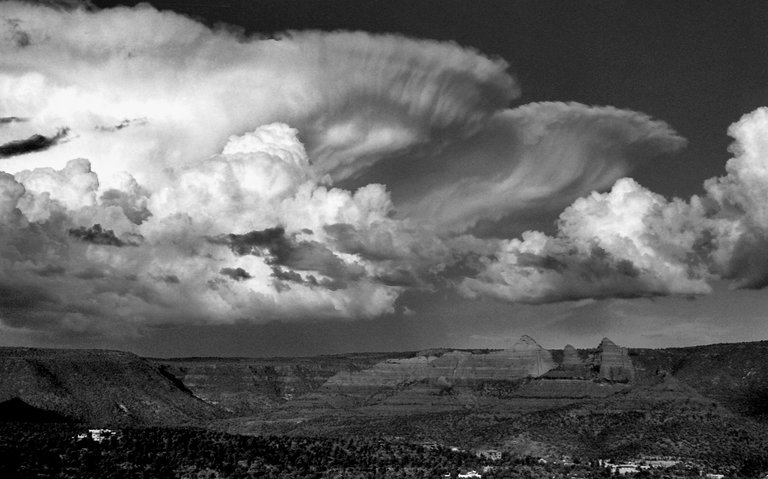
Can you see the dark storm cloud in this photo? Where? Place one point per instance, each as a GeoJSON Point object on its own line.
{"type": "Point", "coordinates": [349, 240]}
{"type": "Point", "coordinates": [273, 240]}
{"type": "Point", "coordinates": [282, 251]}
{"type": "Point", "coordinates": [98, 235]}
{"type": "Point", "coordinates": [123, 124]}
{"type": "Point", "coordinates": [286, 275]}
{"type": "Point", "coordinates": [400, 277]}
{"type": "Point", "coordinates": [15, 297]}
{"type": "Point", "coordinates": [749, 263]}
{"type": "Point", "coordinates": [238, 274]}
{"type": "Point", "coordinates": [32, 144]}
{"type": "Point", "coordinates": [51, 270]}
{"type": "Point", "coordinates": [19, 37]}
{"type": "Point", "coordinates": [5, 120]}
{"type": "Point", "coordinates": [171, 279]}
{"type": "Point", "coordinates": [64, 4]}
{"type": "Point", "coordinates": [90, 273]}
{"type": "Point", "coordinates": [569, 276]}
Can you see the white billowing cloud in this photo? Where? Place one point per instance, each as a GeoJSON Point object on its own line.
{"type": "Point", "coordinates": [73, 259]}
{"type": "Point", "coordinates": [631, 241]}
{"type": "Point", "coordinates": [606, 246]}
{"type": "Point", "coordinates": [241, 188]}
{"type": "Point", "coordinates": [10, 192]}
{"type": "Point", "coordinates": [740, 220]}
{"type": "Point", "coordinates": [73, 187]}
{"type": "Point", "coordinates": [540, 156]}
{"type": "Point", "coordinates": [148, 91]}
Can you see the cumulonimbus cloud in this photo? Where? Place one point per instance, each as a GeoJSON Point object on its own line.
{"type": "Point", "coordinates": [212, 177]}
{"type": "Point", "coordinates": [633, 242]}
{"type": "Point", "coordinates": [355, 97]}
{"type": "Point", "coordinates": [98, 265]}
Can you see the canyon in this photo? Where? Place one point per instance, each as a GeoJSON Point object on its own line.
{"type": "Point", "coordinates": [112, 387]}
{"type": "Point", "coordinates": [523, 399]}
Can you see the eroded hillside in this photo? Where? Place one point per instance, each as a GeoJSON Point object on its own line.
{"type": "Point", "coordinates": [97, 386]}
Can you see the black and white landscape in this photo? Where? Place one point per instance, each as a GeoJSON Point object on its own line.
{"type": "Point", "coordinates": [282, 238]}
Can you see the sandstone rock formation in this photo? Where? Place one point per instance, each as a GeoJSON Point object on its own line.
{"type": "Point", "coordinates": [445, 371]}
{"type": "Point", "coordinates": [615, 363]}
{"type": "Point", "coordinates": [532, 357]}
{"type": "Point", "coordinates": [572, 367]}
{"type": "Point", "coordinates": [571, 356]}
{"type": "Point", "coordinates": [525, 359]}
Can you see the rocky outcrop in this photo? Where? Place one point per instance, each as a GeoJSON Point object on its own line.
{"type": "Point", "coordinates": [615, 363]}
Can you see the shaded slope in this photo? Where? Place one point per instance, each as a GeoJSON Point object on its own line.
{"type": "Point", "coordinates": [16, 410]}
{"type": "Point", "coordinates": [104, 387]}
{"type": "Point", "coordinates": [735, 375]}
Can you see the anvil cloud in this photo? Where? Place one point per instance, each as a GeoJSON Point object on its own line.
{"type": "Point", "coordinates": [180, 173]}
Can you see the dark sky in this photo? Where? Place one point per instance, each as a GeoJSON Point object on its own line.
{"type": "Point", "coordinates": [114, 263]}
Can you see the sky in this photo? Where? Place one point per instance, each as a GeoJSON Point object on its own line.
{"type": "Point", "coordinates": [267, 178]}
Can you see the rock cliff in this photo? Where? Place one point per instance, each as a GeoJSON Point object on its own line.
{"type": "Point", "coordinates": [615, 363]}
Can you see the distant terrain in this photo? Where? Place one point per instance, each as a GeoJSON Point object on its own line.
{"type": "Point", "coordinates": [707, 404]}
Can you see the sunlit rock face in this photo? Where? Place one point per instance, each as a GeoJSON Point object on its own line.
{"type": "Point", "coordinates": [455, 368]}
{"type": "Point", "coordinates": [525, 359]}
{"type": "Point", "coordinates": [615, 363]}
{"type": "Point", "coordinates": [535, 359]}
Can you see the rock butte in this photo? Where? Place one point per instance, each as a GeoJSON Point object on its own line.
{"type": "Point", "coordinates": [571, 356]}
{"type": "Point", "coordinates": [615, 364]}
{"type": "Point", "coordinates": [525, 360]}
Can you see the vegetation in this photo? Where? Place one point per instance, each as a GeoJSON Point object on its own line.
{"type": "Point", "coordinates": [54, 450]}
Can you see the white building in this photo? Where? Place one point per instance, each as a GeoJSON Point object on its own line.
{"type": "Point", "coordinates": [97, 435]}
{"type": "Point", "coordinates": [470, 474]}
